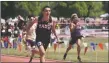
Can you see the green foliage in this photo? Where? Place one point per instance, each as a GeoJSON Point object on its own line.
{"type": "Point", "coordinates": [81, 8]}
{"type": "Point", "coordinates": [105, 6]}
{"type": "Point", "coordinates": [59, 9]}
{"type": "Point", "coordinates": [95, 9]}
{"type": "Point", "coordinates": [5, 4]}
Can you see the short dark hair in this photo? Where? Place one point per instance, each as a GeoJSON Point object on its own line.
{"type": "Point", "coordinates": [45, 7]}
{"type": "Point", "coordinates": [40, 17]}
{"type": "Point", "coordinates": [31, 15]}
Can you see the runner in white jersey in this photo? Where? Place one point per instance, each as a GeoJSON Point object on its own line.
{"type": "Point", "coordinates": [31, 36]}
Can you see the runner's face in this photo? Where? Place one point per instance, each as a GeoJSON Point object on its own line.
{"type": "Point", "coordinates": [47, 12]}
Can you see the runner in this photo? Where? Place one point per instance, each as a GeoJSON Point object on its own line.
{"type": "Point", "coordinates": [43, 31]}
{"type": "Point", "coordinates": [31, 36]}
{"type": "Point", "coordinates": [76, 35]}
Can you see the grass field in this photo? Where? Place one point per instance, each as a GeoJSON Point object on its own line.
{"type": "Point", "coordinates": [91, 56]}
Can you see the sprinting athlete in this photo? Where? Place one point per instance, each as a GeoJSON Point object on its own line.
{"type": "Point", "coordinates": [43, 31]}
{"type": "Point", "coordinates": [76, 35]}
{"type": "Point", "coordinates": [31, 36]}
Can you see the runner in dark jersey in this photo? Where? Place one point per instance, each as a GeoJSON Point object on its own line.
{"type": "Point", "coordinates": [43, 32]}
{"type": "Point", "coordinates": [76, 35]}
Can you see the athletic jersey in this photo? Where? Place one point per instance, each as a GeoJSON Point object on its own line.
{"type": "Point", "coordinates": [76, 31]}
{"type": "Point", "coordinates": [31, 35]}
{"type": "Point", "coordinates": [43, 30]}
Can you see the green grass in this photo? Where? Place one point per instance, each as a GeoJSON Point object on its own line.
{"type": "Point", "coordinates": [101, 55]}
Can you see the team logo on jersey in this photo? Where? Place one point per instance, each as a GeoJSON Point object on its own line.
{"type": "Point", "coordinates": [45, 26]}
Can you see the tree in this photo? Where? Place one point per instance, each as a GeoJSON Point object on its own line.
{"type": "Point", "coordinates": [7, 9]}
{"type": "Point", "coordinates": [95, 9]}
{"type": "Point", "coordinates": [105, 6]}
{"type": "Point", "coordinates": [24, 8]}
{"type": "Point", "coordinates": [80, 8]}
{"type": "Point", "coordinates": [59, 9]}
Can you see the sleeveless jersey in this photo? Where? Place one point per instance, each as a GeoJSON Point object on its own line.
{"type": "Point", "coordinates": [43, 30]}
{"type": "Point", "coordinates": [31, 35]}
{"type": "Point", "coordinates": [76, 31]}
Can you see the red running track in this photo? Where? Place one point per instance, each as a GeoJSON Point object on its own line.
{"type": "Point", "coordinates": [16, 59]}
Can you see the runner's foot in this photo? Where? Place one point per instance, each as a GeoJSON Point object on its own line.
{"type": "Point", "coordinates": [79, 59]}
{"type": "Point", "coordinates": [64, 56]}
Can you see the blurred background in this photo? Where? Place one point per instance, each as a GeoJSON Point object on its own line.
{"type": "Point", "coordinates": [93, 17]}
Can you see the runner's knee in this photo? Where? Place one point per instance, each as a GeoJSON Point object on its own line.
{"type": "Point", "coordinates": [78, 42]}
{"type": "Point", "coordinates": [42, 53]}
{"type": "Point", "coordinates": [70, 46]}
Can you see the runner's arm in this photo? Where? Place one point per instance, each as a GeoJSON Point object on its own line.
{"type": "Point", "coordinates": [53, 30]}
{"type": "Point", "coordinates": [72, 27]}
